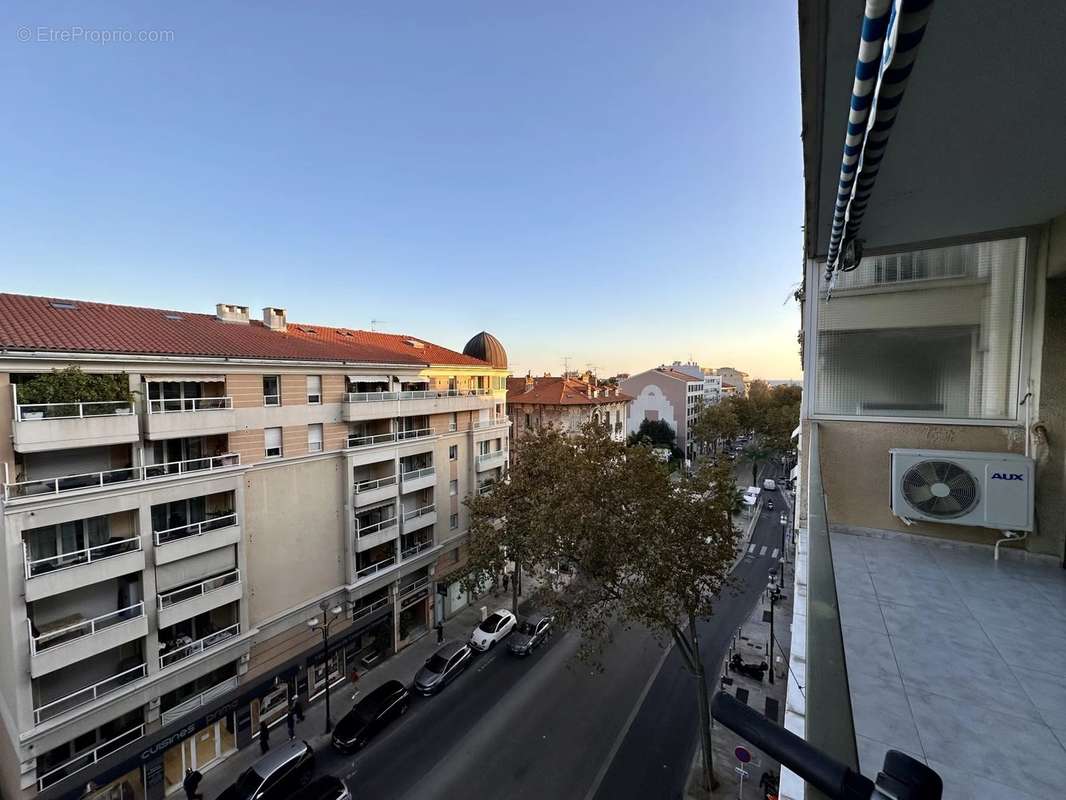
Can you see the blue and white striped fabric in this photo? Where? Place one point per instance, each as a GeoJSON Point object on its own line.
{"type": "Point", "coordinates": [892, 30]}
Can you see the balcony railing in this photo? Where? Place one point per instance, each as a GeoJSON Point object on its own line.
{"type": "Point", "coordinates": [29, 412]}
{"type": "Point", "coordinates": [374, 527]}
{"type": "Point", "coordinates": [368, 441]}
{"type": "Point", "coordinates": [88, 693]}
{"type": "Point", "coordinates": [372, 568]}
{"type": "Point", "coordinates": [167, 599]}
{"type": "Point", "coordinates": [147, 472]}
{"type": "Point", "coordinates": [198, 646]}
{"type": "Point", "coordinates": [378, 483]}
{"type": "Point", "coordinates": [189, 404]}
{"type": "Point", "coordinates": [420, 394]}
{"type": "Point", "coordinates": [485, 488]}
{"type": "Point", "coordinates": [48, 564]}
{"type": "Point", "coordinates": [484, 458]}
{"type": "Point", "coordinates": [415, 549]}
{"type": "Point", "coordinates": [87, 759]}
{"type": "Point", "coordinates": [415, 474]}
{"type": "Point", "coordinates": [419, 512]}
{"type": "Point", "coordinates": [413, 592]}
{"type": "Point", "coordinates": [365, 611]}
{"type": "Point", "coordinates": [194, 529]}
{"type": "Point", "coordinates": [369, 397]}
{"type": "Point", "coordinates": [86, 627]}
{"type": "Point", "coordinates": [415, 433]}
{"type": "Point", "coordinates": [490, 423]}
{"type": "Point", "coordinates": [198, 700]}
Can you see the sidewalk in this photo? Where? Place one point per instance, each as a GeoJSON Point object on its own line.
{"type": "Point", "coordinates": [401, 667]}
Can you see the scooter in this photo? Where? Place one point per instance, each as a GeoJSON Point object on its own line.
{"type": "Point", "coordinates": [754, 671]}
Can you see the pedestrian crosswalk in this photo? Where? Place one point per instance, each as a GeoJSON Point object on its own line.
{"type": "Point", "coordinates": [774, 553]}
{"type": "Point", "coordinates": [762, 550]}
{"type": "Point", "coordinates": [752, 548]}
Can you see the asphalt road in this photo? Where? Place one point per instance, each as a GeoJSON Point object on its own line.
{"type": "Point", "coordinates": [551, 726]}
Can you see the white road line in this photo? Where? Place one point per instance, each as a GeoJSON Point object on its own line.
{"type": "Point", "coordinates": [752, 548]}
{"type": "Point", "coordinates": [774, 553]}
{"type": "Point", "coordinates": [591, 793]}
{"type": "Point", "coordinates": [762, 550]}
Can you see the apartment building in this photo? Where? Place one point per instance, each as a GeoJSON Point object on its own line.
{"type": "Point", "coordinates": [566, 403]}
{"type": "Point", "coordinates": [734, 378]}
{"type": "Point", "coordinates": [667, 394]}
{"type": "Point", "coordinates": [933, 336]}
{"type": "Point", "coordinates": [177, 506]}
{"type": "Point", "coordinates": [712, 383]}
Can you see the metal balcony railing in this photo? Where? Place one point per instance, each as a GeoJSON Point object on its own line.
{"type": "Point", "coordinates": [417, 394]}
{"type": "Point", "coordinates": [168, 599]}
{"type": "Point", "coordinates": [366, 610]}
{"type": "Point", "coordinates": [31, 412]}
{"type": "Point", "coordinates": [490, 423]}
{"type": "Point", "coordinates": [198, 646]}
{"type": "Point", "coordinates": [419, 512]}
{"type": "Point", "coordinates": [378, 483]}
{"type": "Point", "coordinates": [189, 404]}
{"type": "Point", "coordinates": [194, 529]}
{"type": "Point", "coordinates": [86, 627]}
{"type": "Point", "coordinates": [87, 694]}
{"type": "Point", "coordinates": [198, 700]}
{"type": "Point", "coordinates": [374, 527]}
{"type": "Point", "coordinates": [87, 759]}
{"type": "Point", "coordinates": [484, 458]}
{"type": "Point", "coordinates": [368, 441]}
{"type": "Point", "coordinates": [377, 567]}
{"type": "Point", "coordinates": [87, 555]}
{"type": "Point", "coordinates": [415, 549]}
{"type": "Point", "coordinates": [415, 433]}
{"type": "Point", "coordinates": [415, 474]}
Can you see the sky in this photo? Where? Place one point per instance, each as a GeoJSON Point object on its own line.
{"type": "Point", "coordinates": [614, 184]}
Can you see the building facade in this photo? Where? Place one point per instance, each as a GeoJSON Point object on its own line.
{"type": "Point", "coordinates": [566, 404]}
{"type": "Point", "coordinates": [166, 544]}
{"type": "Point", "coordinates": [734, 378]}
{"type": "Point", "coordinates": [932, 311]}
{"type": "Point", "coordinates": [666, 394]}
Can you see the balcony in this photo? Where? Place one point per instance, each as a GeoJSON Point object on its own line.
{"type": "Point", "coordinates": [91, 482]}
{"type": "Point", "coordinates": [371, 441]}
{"type": "Point", "coordinates": [379, 490]}
{"type": "Point", "coordinates": [174, 544]}
{"type": "Point", "coordinates": [414, 549]}
{"type": "Point", "coordinates": [87, 694]}
{"type": "Point", "coordinates": [194, 702]}
{"type": "Point", "coordinates": [414, 434]}
{"type": "Point", "coordinates": [414, 480]}
{"type": "Point", "coordinates": [365, 610]}
{"type": "Point", "coordinates": [485, 424]}
{"type": "Point", "coordinates": [374, 405]}
{"type": "Point", "coordinates": [419, 518]}
{"type": "Point", "coordinates": [62, 642]}
{"type": "Point", "coordinates": [375, 568]}
{"type": "Point", "coordinates": [68, 571]}
{"type": "Point", "coordinates": [190, 417]}
{"type": "Point", "coordinates": [189, 601]}
{"type": "Point", "coordinates": [87, 759]}
{"type": "Point", "coordinates": [61, 426]}
{"type": "Point", "coordinates": [371, 534]}
{"type": "Point", "coordinates": [486, 461]}
{"type": "Point", "coordinates": [189, 649]}
{"type": "Point", "coordinates": [486, 488]}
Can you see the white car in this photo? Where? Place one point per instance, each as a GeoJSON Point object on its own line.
{"type": "Point", "coordinates": [495, 627]}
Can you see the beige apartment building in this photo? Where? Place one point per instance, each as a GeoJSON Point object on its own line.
{"type": "Point", "coordinates": [166, 546]}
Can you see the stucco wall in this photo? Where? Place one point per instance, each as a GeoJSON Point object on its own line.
{"type": "Point", "coordinates": [1050, 450]}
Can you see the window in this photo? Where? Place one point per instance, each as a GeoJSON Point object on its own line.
{"type": "Point", "coordinates": [271, 390]}
{"type": "Point", "coordinates": [930, 333]}
{"type": "Point", "coordinates": [314, 438]}
{"type": "Point", "coordinates": [453, 488]}
{"type": "Point", "coordinates": [453, 556]}
{"type": "Point", "coordinates": [453, 452]}
{"type": "Point", "coordinates": [272, 442]}
{"type": "Point", "coordinates": [453, 523]}
{"type": "Point", "coordinates": [529, 421]}
{"type": "Point", "coordinates": [314, 389]}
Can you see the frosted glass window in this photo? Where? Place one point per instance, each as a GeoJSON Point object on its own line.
{"type": "Point", "coordinates": [928, 333]}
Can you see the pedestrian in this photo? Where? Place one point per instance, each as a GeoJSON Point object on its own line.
{"type": "Point", "coordinates": [192, 780]}
{"type": "Point", "coordinates": [440, 631]}
{"type": "Point", "coordinates": [506, 581]}
{"type": "Point", "coordinates": [264, 737]}
{"type": "Point", "coordinates": [290, 722]}
{"type": "Point", "coordinates": [298, 709]}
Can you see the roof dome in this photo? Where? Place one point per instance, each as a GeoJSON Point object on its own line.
{"type": "Point", "coordinates": [488, 348]}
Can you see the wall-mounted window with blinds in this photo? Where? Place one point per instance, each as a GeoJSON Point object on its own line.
{"type": "Point", "coordinates": [933, 333]}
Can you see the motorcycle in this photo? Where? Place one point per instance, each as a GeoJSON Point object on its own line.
{"type": "Point", "coordinates": [754, 671]}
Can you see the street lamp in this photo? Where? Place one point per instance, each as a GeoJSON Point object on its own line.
{"type": "Point", "coordinates": [773, 599]}
{"type": "Point", "coordinates": [331, 612]}
{"type": "Point", "coordinates": [784, 526]}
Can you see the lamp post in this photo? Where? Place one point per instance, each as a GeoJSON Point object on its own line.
{"type": "Point", "coordinates": [770, 650]}
{"type": "Point", "coordinates": [331, 612]}
{"type": "Point", "coordinates": [784, 527]}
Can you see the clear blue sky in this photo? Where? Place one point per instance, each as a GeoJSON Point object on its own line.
{"type": "Point", "coordinates": [618, 182]}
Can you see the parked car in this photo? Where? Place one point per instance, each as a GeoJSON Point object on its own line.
{"type": "Point", "coordinates": [443, 667]}
{"type": "Point", "coordinates": [769, 485]}
{"type": "Point", "coordinates": [276, 775]}
{"type": "Point", "coordinates": [328, 787]}
{"type": "Point", "coordinates": [370, 715]}
{"type": "Point", "coordinates": [530, 633]}
{"type": "Point", "coordinates": [495, 627]}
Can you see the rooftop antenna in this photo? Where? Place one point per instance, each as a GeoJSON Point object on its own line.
{"type": "Point", "coordinates": [593, 368]}
{"type": "Point", "coordinates": [566, 365]}
{"type": "Point", "coordinates": [375, 322]}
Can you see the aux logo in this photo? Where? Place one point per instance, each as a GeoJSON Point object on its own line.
{"type": "Point", "coordinates": [1007, 476]}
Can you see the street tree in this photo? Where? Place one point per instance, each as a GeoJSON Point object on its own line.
{"type": "Point", "coordinates": [714, 423]}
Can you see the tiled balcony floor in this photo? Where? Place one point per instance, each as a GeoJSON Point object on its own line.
{"type": "Point", "coordinates": [958, 660]}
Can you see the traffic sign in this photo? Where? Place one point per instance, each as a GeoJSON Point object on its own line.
{"type": "Point", "coordinates": [742, 754]}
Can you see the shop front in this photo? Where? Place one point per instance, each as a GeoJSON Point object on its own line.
{"type": "Point", "coordinates": [201, 751]}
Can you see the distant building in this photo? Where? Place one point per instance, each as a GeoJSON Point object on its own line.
{"type": "Point", "coordinates": [735, 378]}
{"type": "Point", "coordinates": [667, 394]}
{"type": "Point", "coordinates": [566, 403]}
{"type": "Point", "coordinates": [712, 383]}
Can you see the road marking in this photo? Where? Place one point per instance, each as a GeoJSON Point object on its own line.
{"type": "Point", "coordinates": [752, 548]}
{"type": "Point", "coordinates": [486, 661]}
{"type": "Point", "coordinates": [591, 793]}
{"type": "Point", "coordinates": [762, 550]}
{"type": "Point", "coordinates": [774, 553]}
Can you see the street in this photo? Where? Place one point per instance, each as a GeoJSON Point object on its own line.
{"type": "Point", "coordinates": [551, 726]}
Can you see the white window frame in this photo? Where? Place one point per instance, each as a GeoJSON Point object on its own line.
{"type": "Point", "coordinates": [453, 448]}
{"type": "Point", "coordinates": [453, 522]}
{"type": "Point", "coordinates": [314, 398]}
{"type": "Point", "coordinates": [281, 444]}
{"type": "Point", "coordinates": [267, 397]}
{"type": "Point", "coordinates": [815, 278]}
{"type": "Point", "coordinates": [315, 426]}
{"type": "Point", "coordinates": [453, 487]}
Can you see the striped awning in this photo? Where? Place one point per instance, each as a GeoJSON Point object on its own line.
{"type": "Point", "coordinates": [892, 30]}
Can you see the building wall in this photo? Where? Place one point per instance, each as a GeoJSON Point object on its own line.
{"type": "Point", "coordinates": [666, 397]}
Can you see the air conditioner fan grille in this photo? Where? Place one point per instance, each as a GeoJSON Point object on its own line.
{"type": "Point", "coordinates": [941, 489]}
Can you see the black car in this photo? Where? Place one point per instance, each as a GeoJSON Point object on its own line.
{"type": "Point", "coordinates": [442, 667]}
{"type": "Point", "coordinates": [328, 787]}
{"type": "Point", "coordinates": [277, 775]}
{"type": "Point", "coordinates": [370, 715]}
{"type": "Point", "coordinates": [530, 633]}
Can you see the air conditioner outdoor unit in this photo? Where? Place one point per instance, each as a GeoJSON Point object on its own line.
{"type": "Point", "coordinates": [991, 490]}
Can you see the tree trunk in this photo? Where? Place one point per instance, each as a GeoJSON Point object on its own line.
{"type": "Point", "coordinates": [754, 472]}
{"type": "Point", "coordinates": [514, 588]}
{"type": "Point", "coordinates": [705, 707]}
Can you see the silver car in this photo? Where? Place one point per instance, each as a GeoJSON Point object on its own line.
{"type": "Point", "coordinates": [442, 667]}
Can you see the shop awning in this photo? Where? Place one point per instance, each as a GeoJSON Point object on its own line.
{"type": "Point", "coordinates": [370, 378]}
{"type": "Point", "coordinates": [185, 378]}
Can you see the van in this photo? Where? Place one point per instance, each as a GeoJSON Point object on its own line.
{"type": "Point", "coordinates": [769, 485]}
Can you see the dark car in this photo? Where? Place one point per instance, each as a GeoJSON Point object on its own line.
{"type": "Point", "coordinates": [277, 775]}
{"type": "Point", "coordinates": [442, 667]}
{"type": "Point", "coordinates": [530, 633]}
{"type": "Point", "coordinates": [370, 715]}
{"type": "Point", "coordinates": [328, 787]}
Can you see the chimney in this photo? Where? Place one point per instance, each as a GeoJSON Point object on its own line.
{"type": "Point", "coordinates": [226, 312]}
{"type": "Point", "coordinates": [274, 318]}
{"type": "Point", "coordinates": [529, 381]}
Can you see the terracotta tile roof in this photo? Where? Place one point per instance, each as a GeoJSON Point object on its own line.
{"type": "Point", "coordinates": [551, 391]}
{"type": "Point", "coordinates": [54, 324]}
